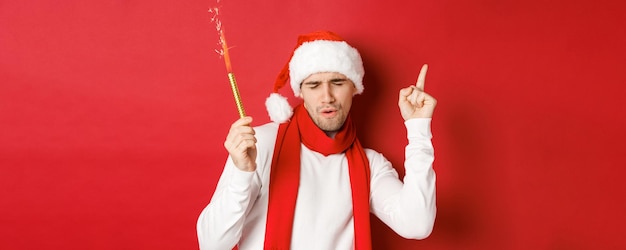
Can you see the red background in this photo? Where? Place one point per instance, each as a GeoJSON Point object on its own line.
{"type": "Point", "coordinates": [113, 114]}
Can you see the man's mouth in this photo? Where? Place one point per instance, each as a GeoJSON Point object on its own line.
{"type": "Point", "coordinates": [328, 112]}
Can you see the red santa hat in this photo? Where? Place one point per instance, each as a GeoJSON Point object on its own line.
{"type": "Point", "coordinates": [321, 51]}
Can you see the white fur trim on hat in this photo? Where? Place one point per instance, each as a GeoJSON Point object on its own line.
{"type": "Point", "coordinates": [278, 108]}
{"type": "Point", "coordinates": [325, 56]}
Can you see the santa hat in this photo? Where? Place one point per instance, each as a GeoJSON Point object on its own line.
{"type": "Point", "coordinates": [321, 51]}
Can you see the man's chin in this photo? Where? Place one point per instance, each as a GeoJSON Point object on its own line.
{"type": "Point", "coordinates": [329, 128]}
{"type": "Point", "coordinates": [329, 125]}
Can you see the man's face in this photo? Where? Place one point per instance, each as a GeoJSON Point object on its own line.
{"type": "Point", "coordinates": [328, 98]}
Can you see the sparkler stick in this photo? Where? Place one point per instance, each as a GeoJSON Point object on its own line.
{"type": "Point", "coordinates": [226, 55]}
{"type": "Point", "coordinates": [231, 76]}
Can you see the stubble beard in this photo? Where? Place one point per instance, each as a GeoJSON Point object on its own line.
{"type": "Point", "coordinates": [329, 125]}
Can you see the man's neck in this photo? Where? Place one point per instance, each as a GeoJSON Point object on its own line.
{"type": "Point", "coordinates": [331, 134]}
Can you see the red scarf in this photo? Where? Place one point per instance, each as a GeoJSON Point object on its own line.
{"type": "Point", "coordinates": [285, 177]}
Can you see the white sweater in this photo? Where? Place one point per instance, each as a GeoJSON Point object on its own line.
{"type": "Point", "coordinates": [323, 218]}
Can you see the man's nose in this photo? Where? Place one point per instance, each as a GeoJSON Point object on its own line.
{"type": "Point", "coordinates": [327, 93]}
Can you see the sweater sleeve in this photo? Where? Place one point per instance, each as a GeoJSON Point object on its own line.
{"type": "Point", "coordinates": [221, 223]}
{"type": "Point", "coordinates": [407, 207]}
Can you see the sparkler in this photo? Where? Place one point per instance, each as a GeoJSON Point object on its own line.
{"type": "Point", "coordinates": [226, 55]}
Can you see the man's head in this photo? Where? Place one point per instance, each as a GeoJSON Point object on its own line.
{"type": "Point", "coordinates": [327, 98]}
{"type": "Point", "coordinates": [317, 54]}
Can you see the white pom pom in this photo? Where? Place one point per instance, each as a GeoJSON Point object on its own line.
{"type": "Point", "coordinates": [278, 108]}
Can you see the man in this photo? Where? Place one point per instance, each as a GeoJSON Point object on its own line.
{"type": "Point", "coordinates": [304, 181]}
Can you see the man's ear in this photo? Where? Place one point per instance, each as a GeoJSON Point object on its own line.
{"type": "Point", "coordinates": [300, 94]}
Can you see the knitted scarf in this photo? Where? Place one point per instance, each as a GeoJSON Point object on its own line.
{"type": "Point", "coordinates": [285, 177]}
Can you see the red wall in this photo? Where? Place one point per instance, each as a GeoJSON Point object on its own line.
{"type": "Point", "coordinates": [113, 114]}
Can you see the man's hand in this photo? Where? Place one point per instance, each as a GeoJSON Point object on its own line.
{"type": "Point", "coordinates": [241, 144]}
{"type": "Point", "coordinates": [414, 102]}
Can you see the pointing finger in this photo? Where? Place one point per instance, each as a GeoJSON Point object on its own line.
{"type": "Point", "coordinates": [421, 79]}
